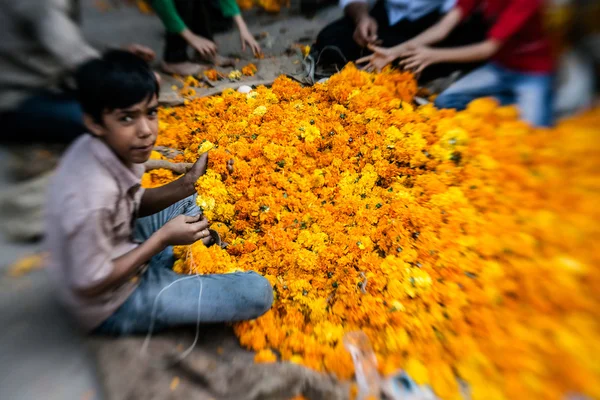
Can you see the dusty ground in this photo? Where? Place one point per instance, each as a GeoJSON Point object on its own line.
{"type": "Point", "coordinates": [41, 356]}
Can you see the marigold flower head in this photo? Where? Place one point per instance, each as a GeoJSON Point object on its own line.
{"type": "Point", "coordinates": [249, 70]}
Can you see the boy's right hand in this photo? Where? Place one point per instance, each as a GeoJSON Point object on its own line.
{"type": "Point", "coordinates": [183, 230]}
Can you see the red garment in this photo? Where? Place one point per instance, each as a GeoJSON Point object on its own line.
{"type": "Point", "coordinates": [518, 25]}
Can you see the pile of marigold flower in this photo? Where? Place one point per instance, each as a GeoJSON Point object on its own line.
{"type": "Point", "coordinates": [464, 244]}
{"type": "Point", "coordinates": [272, 6]}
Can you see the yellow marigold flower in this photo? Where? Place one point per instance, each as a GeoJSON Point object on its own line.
{"type": "Point", "coordinates": [260, 111]}
{"type": "Point", "coordinates": [234, 75]}
{"type": "Point", "coordinates": [306, 50]}
{"type": "Point", "coordinates": [205, 146]}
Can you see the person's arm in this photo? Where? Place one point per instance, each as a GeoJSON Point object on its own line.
{"type": "Point", "coordinates": [89, 248]}
{"type": "Point", "coordinates": [91, 251]}
{"type": "Point", "coordinates": [157, 199]}
{"type": "Point", "coordinates": [229, 8]}
{"type": "Point", "coordinates": [366, 26]}
{"type": "Point", "coordinates": [355, 10]}
{"type": "Point", "coordinates": [435, 33]}
{"type": "Point", "coordinates": [246, 36]}
{"type": "Point", "coordinates": [167, 12]}
{"type": "Point", "coordinates": [125, 267]}
{"type": "Point", "coordinates": [59, 34]}
{"type": "Point", "coordinates": [513, 18]}
{"type": "Point", "coordinates": [420, 57]}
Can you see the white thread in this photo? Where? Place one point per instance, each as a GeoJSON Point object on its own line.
{"type": "Point", "coordinates": [187, 352]}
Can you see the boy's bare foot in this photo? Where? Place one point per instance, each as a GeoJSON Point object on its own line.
{"type": "Point", "coordinates": [184, 68]}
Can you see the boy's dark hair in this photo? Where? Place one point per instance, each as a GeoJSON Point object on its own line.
{"type": "Point", "coordinates": [119, 79]}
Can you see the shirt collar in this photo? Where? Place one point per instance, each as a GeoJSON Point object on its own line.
{"type": "Point", "coordinates": [127, 178]}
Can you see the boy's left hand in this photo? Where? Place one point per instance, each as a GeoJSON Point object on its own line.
{"type": "Point", "coordinates": [197, 170]}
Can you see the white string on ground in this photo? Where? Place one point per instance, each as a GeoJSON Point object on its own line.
{"type": "Point", "coordinates": [184, 354]}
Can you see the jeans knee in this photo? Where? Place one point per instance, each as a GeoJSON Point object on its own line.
{"type": "Point", "coordinates": [445, 100]}
{"type": "Point", "coordinates": [261, 296]}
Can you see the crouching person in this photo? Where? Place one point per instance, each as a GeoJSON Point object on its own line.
{"type": "Point", "coordinates": [110, 241]}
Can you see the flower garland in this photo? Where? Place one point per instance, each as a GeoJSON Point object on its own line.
{"type": "Point", "coordinates": [461, 243]}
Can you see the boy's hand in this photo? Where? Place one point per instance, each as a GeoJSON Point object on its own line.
{"type": "Point", "coordinates": [183, 230]}
{"type": "Point", "coordinates": [197, 170]}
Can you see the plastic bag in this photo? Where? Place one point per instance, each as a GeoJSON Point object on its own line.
{"type": "Point", "coordinates": [370, 384]}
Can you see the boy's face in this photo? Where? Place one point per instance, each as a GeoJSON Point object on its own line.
{"type": "Point", "coordinates": [130, 132]}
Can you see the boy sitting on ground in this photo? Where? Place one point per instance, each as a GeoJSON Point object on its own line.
{"type": "Point", "coordinates": [111, 241]}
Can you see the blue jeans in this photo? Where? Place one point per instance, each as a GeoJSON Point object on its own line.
{"type": "Point", "coordinates": [225, 298]}
{"type": "Point", "coordinates": [531, 92]}
{"type": "Point", "coordinates": [45, 117]}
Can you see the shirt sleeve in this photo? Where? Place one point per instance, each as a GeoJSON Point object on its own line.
{"type": "Point", "coordinates": [167, 12]}
{"type": "Point", "coordinates": [229, 8]}
{"type": "Point", "coordinates": [346, 3]}
{"type": "Point", "coordinates": [513, 18]}
{"type": "Point", "coordinates": [88, 247]}
{"type": "Point", "coordinates": [466, 7]}
{"type": "Point", "coordinates": [60, 35]}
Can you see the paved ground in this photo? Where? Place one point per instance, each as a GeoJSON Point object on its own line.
{"type": "Point", "coordinates": [41, 356]}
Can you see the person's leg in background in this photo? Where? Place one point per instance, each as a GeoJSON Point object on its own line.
{"type": "Point", "coordinates": [534, 96]}
{"type": "Point", "coordinates": [488, 80]}
{"type": "Point", "coordinates": [224, 298]}
{"type": "Point", "coordinates": [44, 118]}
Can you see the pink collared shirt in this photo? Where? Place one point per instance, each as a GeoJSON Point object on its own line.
{"type": "Point", "coordinates": [92, 204]}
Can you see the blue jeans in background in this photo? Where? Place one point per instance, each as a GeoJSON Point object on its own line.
{"type": "Point", "coordinates": [225, 297]}
{"type": "Point", "coordinates": [532, 92]}
{"type": "Point", "coordinates": [45, 117]}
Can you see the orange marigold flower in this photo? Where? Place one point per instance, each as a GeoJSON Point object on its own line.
{"type": "Point", "coordinates": [249, 70]}
{"type": "Point", "coordinates": [265, 356]}
{"type": "Point", "coordinates": [213, 74]}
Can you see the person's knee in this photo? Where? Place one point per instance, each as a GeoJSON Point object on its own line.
{"type": "Point", "coordinates": [260, 294]}
{"type": "Point", "coordinates": [449, 99]}
{"type": "Point", "coordinates": [444, 100]}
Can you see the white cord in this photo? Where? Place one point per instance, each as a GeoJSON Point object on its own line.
{"type": "Point", "coordinates": [187, 352]}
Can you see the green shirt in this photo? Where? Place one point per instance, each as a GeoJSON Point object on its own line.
{"type": "Point", "coordinates": [168, 14]}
